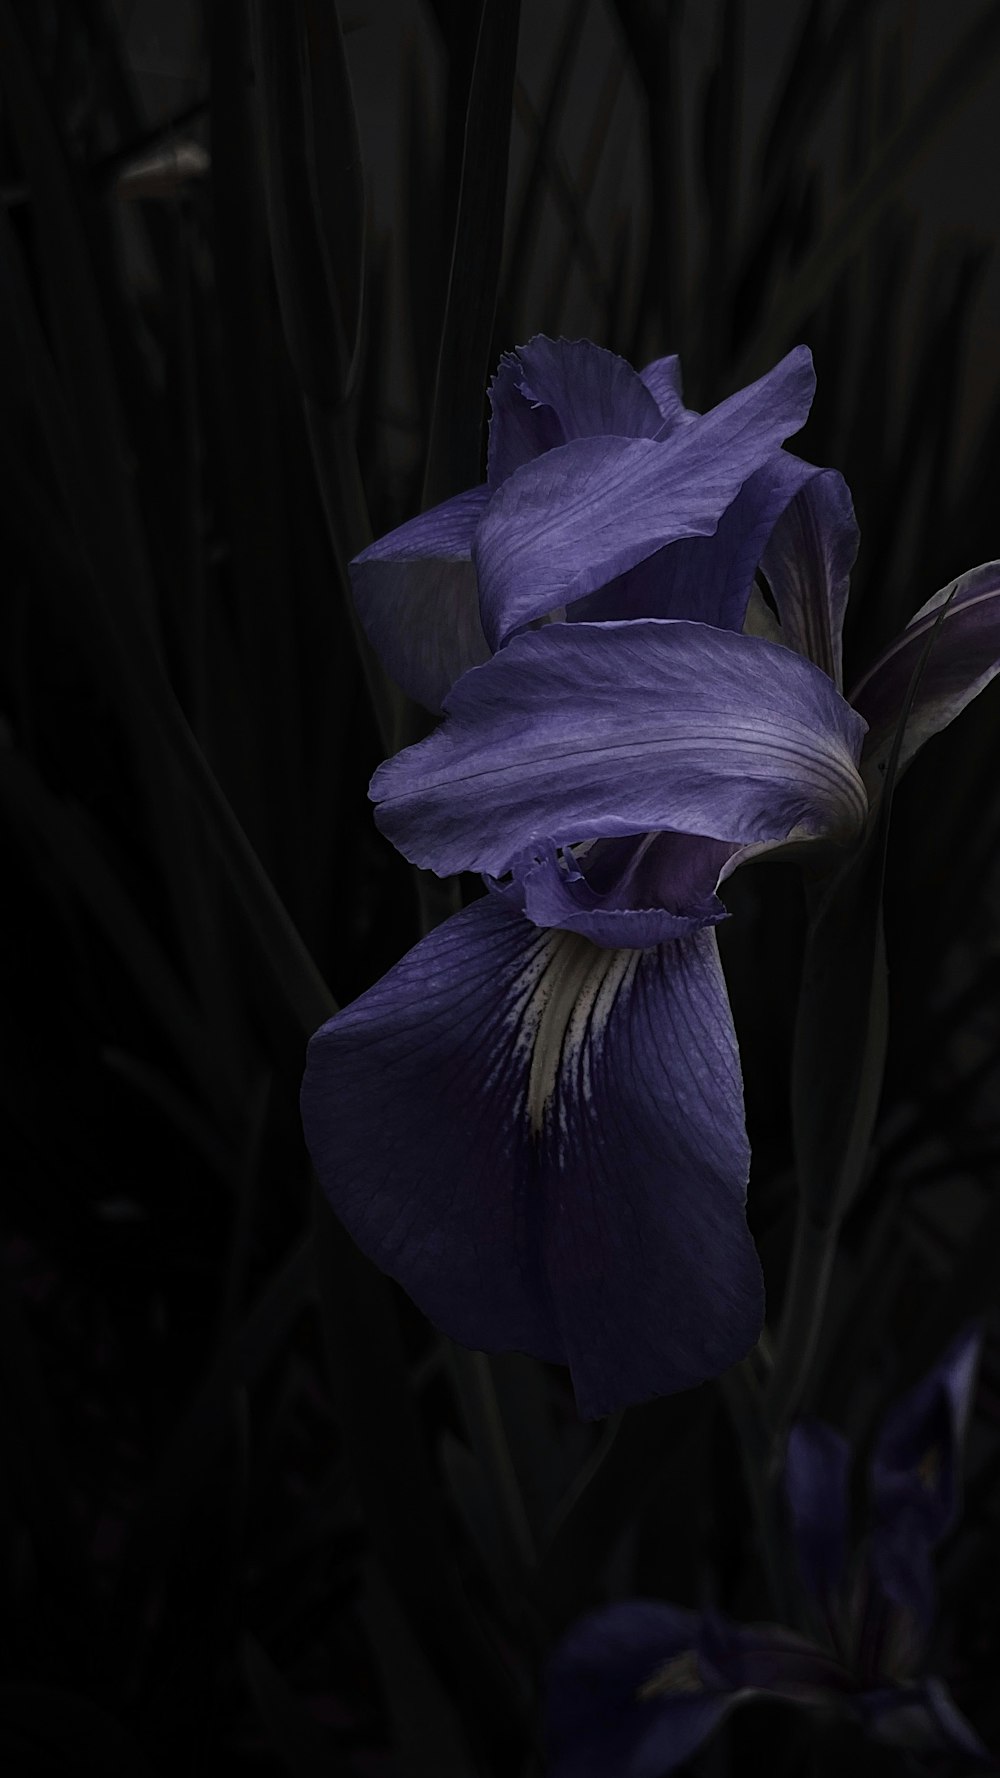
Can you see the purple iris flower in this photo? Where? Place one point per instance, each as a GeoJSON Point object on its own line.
{"type": "Point", "coordinates": [535, 1122]}
{"type": "Point", "coordinates": [636, 1688]}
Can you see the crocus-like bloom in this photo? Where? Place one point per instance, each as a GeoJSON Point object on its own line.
{"type": "Point", "coordinates": [636, 1688]}
{"type": "Point", "coordinates": [535, 1120]}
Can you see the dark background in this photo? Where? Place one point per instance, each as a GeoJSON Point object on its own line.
{"type": "Point", "coordinates": [247, 1511]}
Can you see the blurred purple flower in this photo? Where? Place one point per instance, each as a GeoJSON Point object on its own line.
{"type": "Point", "coordinates": [535, 1120]}
{"type": "Point", "coordinates": [636, 1688]}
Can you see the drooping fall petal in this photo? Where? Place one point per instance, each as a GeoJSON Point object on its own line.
{"type": "Point", "coordinates": [543, 1141]}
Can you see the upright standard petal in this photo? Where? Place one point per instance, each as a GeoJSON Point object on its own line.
{"type": "Point", "coordinates": [663, 380]}
{"type": "Point", "coordinates": [550, 391]}
{"type": "Point", "coordinates": [708, 579]}
{"type": "Point", "coordinates": [964, 658]}
{"type": "Point", "coordinates": [574, 519]}
{"type": "Point", "coordinates": [917, 1474]}
{"type": "Point", "coordinates": [817, 1470]}
{"type": "Point", "coordinates": [415, 593]}
{"type": "Point", "coordinates": [588, 731]}
{"type": "Point", "coordinates": [807, 564]}
{"type": "Point", "coordinates": [544, 1143]}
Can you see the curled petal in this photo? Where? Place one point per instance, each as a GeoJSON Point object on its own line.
{"type": "Point", "coordinates": [589, 731]}
{"type": "Point", "coordinates": [916, 1475]}
{"type": "Point", "coordinates": [543, 1142]}
{"type": "Point", "coordinates": [415, 592]}
{"type": "Point", "coordinates": [808, 562]}
{"type": "Point", "coordinates": [663, 380]}
{"type": "Point", "coordinates": [641, 891]}
{"type": "Point", "coordinates": [963, 660]}
{"type": "Point", "coordinates": [581, 515]}
{"type": "Point", "coordinates": [550, 391]}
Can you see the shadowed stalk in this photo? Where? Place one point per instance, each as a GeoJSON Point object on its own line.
{"type": "Point", "coordinates": [454, 452]}
{"type": "Point", "coordinates": [808, 1287]}
{"type": "Point", "coordinates": [843, 1004]}
{"type": "Point", "coordinates": [968, 64]}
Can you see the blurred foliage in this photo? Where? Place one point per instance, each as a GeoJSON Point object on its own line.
{"type": "Point", "coordinates": [253, 1515]}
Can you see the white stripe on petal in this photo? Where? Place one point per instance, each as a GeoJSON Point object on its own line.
{"type": "Point", "coordinates": [569, 992]}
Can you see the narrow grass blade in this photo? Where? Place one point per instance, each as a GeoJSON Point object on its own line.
{"type": "Point", "coordinates": [958, 76]}
{"type": "Point", "coordinates": [305, 1749]}
{"type": "Point", "coordinates": [454, 455]}
{"type": "Point", "coordinates": [842, 1026]}
{"type": "Point", "coordinates": [410, 1535]}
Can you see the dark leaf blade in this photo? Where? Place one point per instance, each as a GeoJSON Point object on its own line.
{"type": "Point", "coordinates": [721, 133]}
{"type": "Point", "coordinates": [842, 1025]}
{"type": "Point", "coordinates": [610, 1490]}
{"type": "Point", "coordinates": [45, 1724]}
{"type": "Point", "coordinates": [305, 1749]}
{"type": "Point", "coordinates": [526, 221]}
{"type": "Point", "coordinates": [312, 179]}
{"type": "Point", "coordinates": [862, 208]}
{"type": "Point", "coordinates": [653, 38]}
{"type": "Point", "coordinates": [337, 178]}
{"type": "Point", "coordinates": [409, 1531]}
{"type": "Point", "coordinates": [103, 462]}
{"type": "Point", "coordinates": [193, 1452]}
{"type": "Point", "coordinates": [313, 323]}
{"type": "Point", "coordinates": [454, 457]}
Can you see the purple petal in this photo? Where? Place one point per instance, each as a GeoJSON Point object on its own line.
{"type": "Point", "coordinates": [415, 592]}
{"type": "Point", "coordinates": [808, 564]}
{"type": "Point", "coordinates": [641, 891]}
{"type": "Point", "coordinates": [589, 731]}
{"type": "Point", "coordinates": [707, 578]}
{"type": "Point", "coordinates": [964, 658]}
{"type": "Point", "coordinates": [550, 391]}
{"type": "Point", "coordinates": [635, 1689]}
{"type": "Point", "coordinates": [625, 1697]}
{"type": "Point", "coordinates": [955, 1731]}
{"type": "Point", "coordinates": [544, 1143]}
{"type": "Point", "coordinates": [579, 516]}
{"type": "Point", "coordinates": [663, 380]}
{"type": "Point", "coordinates": [916, 1463]}
{"type": "Point", "coordinates": [916, 1475]}
{"type": "Point", "coordinates": [817, 1466]}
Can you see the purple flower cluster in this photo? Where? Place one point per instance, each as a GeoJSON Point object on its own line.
{"type": "Point", "coordinates": [535, 1120]}
{"type": "Point", "coordinates": [636, 1688]}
